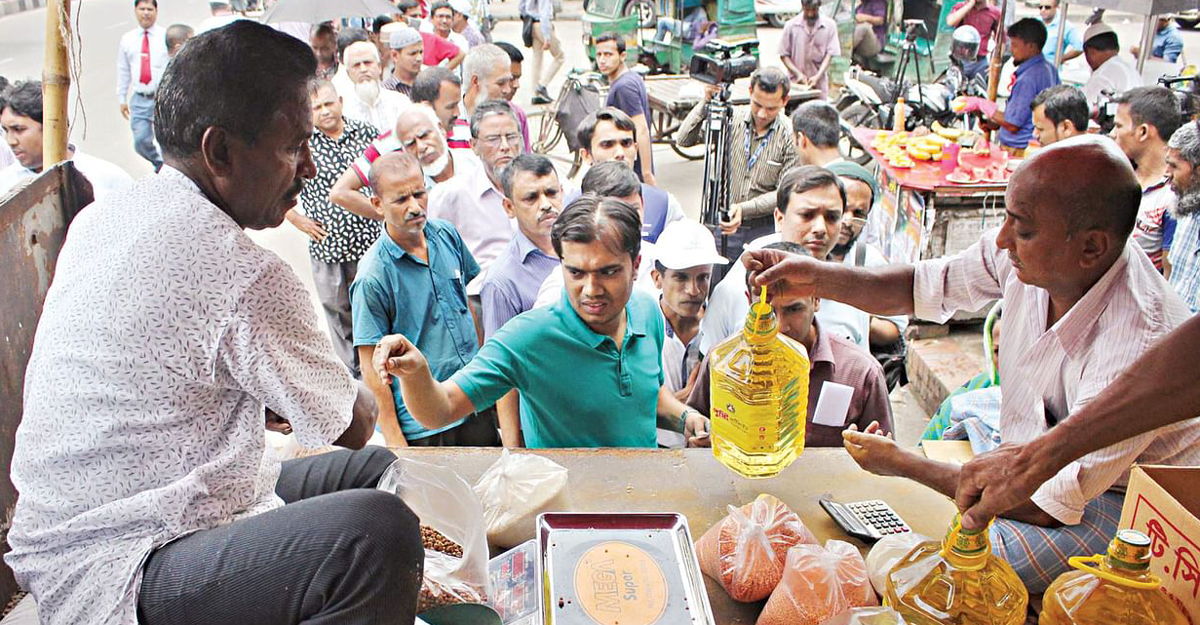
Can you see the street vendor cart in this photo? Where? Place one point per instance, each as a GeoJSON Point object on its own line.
{"type": "Point", "coordinates": [922, 213]}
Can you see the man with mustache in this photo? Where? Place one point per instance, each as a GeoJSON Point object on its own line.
{"type": "Point", "coordinates": [413, 281]}
{"type": "Point", "coordinates": [369, 101]}
{"type": "Point", "coordinates": [533, 197]}
{"type": "Point", "coordinates": [809, 43]}
{"type": "Point", "coordinates": [588, 368]}
{"type": "Point", "coordinates": [1081, 301]}
{"type": "Point", "coordinates": [1183, 168]}
{"type": "Point", "coordinates": [337, 237]}
{"type": "Point", "coordinates": [161, 504]}
{"type": "Point", "coordinates": [475, 203]}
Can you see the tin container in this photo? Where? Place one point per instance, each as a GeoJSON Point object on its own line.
{"type": "Point", "coordinates": [620, 569]}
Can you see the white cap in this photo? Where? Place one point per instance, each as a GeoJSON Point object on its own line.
{"type": "Point", "coordinates": [1099, 28]}
{"type": "Point", "coordinates": [461, 6]}
{"type": "Point", "coordinates": [685, 243]}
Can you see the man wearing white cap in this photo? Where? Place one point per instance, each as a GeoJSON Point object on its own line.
{"type": "Point", "coordinates": [408, 52]}
{"type": "Point", "coordinates": [461, 23]}
{"type": "Point", "coordinates": [1110, 71]}
{"type": "Point", "coordinates": [683, 272]}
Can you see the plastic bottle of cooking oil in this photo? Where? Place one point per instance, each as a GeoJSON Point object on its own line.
{"type": "Point", "coordinates": [898, 120]}
{"type": "Point", "coordinates": [759, 396]}
{"type": "Point", "coordinates": [1113, 589]}
{"type": "Point", "coordinates": [956, 581]}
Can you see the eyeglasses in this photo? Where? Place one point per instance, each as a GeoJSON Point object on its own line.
{"type": "Point", "coordinates": [513, 139]}
{"type": "Point", "coordinates": [856, 222]}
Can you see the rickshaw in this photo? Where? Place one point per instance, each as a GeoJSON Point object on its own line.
{"type": "Point", "coordinates": [661, 34]}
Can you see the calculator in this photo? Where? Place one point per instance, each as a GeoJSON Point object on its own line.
{"type": "Point", "coordinates": [867, 521]}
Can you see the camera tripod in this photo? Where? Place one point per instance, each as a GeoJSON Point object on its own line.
{"type": "Point", "coordinates": [908, 49]}
{"type": "Point", "coordinates": [714, 205]}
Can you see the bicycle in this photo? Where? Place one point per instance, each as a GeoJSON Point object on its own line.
{"type": "Point", "coordinates": [584, 92]}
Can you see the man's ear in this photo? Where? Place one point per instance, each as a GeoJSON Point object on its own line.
{"type": "Point", "coordinates": [1097, 244]}
{"type": "Point", "coordinates": [508, 208]}
{"type": "Point", "coordinates": [637, 262]}
{"type": "Point", "coordinates": [216, 152]}
{"type": "Point", "coordinates": [587, 155]}
{"type": "Point", "coordinates": [778, 220]}
{"type": "Point", "coordinates": [376, 202]}
{"type": "Point", "coordinates": [657, 278]}
{"type": "Point", "coordinates": [816, 304]}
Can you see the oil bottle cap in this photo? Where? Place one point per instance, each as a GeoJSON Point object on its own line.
{"type": "Point", "coordinates": [967, 542]}
{"type": "Point", "coordinates": [1129, 550]}
{"type": "Point", "coordinates": [760, 323]}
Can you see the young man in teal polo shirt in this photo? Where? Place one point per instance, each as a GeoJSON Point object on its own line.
{"type": "Point", "coordinates": [588, 368]}
{"type": "Point", "coordinates": [412, 281]}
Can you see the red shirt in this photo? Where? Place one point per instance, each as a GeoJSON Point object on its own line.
{"type": "Point", "coordinates": [437, 49]}
{"type": "Point", "coordinates": [983, 19]}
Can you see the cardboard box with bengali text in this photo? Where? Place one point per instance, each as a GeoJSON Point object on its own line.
{"type": "Point", "coordinates": [1164, 503]}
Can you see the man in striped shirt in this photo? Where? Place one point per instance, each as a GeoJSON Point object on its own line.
{"type": "Point", "coordinates": [1081, 302]}
{"type": "Point", "coordinates": [1183, 262]}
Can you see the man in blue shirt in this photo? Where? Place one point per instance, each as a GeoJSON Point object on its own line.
{"type": "Point", "coordinates": [412, 282]}
{"type": "Point", "coordinates": [1034, 74]}
{"type": "Point", "coordinates": [588, 368]}
{"type": "Point", "coordinates": [1168, 44]}
{"type": "Point", "coordinates": [1072, 45]}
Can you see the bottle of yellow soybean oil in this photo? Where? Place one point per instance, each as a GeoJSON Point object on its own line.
{"type": "Point", "coordinates": [759, 382]}
{"type": "Point", "coordinates": [1117, 588]}
{"type": "Point", "coordinates": [956, 581]}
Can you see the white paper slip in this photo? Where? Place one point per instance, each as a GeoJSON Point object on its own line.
{"type": "Point", "coordinates": [833, 404]}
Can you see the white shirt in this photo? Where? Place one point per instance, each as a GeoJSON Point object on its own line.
{"type": "Point", "coordinates": [299, 30]}
{"type": "Point", "coordinates": [164, 335]}
{"type": "Point", "coordinates": [129, 61]}
{"type": "Point", "coordinates": [1117, 75]}
{"type": "Point", "coordinates": [382, 114]}
{"type": "Point", "coordinates": [727, 307]}
{"type": "Point", "coordinates": [1052, 372]}
{"type": "Point", "coordinates": [104, 176]}
{"type": "Point", "coordinates": [6, 155]}
{"type": "Point", "coordinates": [476, 208]}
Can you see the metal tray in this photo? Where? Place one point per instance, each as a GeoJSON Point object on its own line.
{"type": "Point", "coordinates": [620, 569]}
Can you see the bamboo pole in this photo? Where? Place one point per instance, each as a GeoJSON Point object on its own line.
{"type": "Point", "coordinates": [56, 83]}
{"type": "Point", "coordinates": [997, 53]}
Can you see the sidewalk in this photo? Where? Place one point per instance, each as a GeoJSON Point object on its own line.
{"type": "Point", "coordinates": [507, 10]}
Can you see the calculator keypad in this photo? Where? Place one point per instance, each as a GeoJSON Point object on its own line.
{"type": "Point", "coordinates": [879, 516]}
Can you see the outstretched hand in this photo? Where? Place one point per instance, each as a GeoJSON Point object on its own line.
{"type": "Point", "coordinates": [396, 355]}
{"type": "Point", "coordinates": [781, 271]}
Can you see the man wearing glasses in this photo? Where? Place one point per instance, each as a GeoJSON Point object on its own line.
{"type": "Point", "coordinates": [1072, 44]}
{"type": "Point", "coordinates": [474, 203]}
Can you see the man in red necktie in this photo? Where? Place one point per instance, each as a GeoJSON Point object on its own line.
{"type": "Point", "coordinates": [140, 62]}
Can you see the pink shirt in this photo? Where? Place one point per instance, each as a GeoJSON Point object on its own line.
{"type": "Point", "coordinates": [1050, 373]}
{"type": "Point", "coordinates": [808, 47]}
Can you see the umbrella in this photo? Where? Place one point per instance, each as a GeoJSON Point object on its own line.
{"type": "Point", "coordinates": [317, 11]}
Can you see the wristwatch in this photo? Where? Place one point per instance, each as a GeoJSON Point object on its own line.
{"type": "Point", "coordinates": [683, 420]}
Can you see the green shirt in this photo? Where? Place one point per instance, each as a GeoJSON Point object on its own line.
{"type": "Point", "coordinates": [577, 389]}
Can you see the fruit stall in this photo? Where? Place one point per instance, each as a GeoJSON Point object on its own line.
{"type": "Point", "coordinates": [940, 191]}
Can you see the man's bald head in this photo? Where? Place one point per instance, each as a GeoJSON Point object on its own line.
{"type": "Point", "coordinates": [1085, 179]}
{"type": "Point", "coordinates": [393, 166]}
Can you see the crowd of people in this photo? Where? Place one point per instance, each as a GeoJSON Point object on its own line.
{"type": "Point", "coordinates": [475, 296]}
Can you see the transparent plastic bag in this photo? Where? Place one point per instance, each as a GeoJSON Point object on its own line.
{"type": "Point", "coordinates": [745, 551]}
{"type": "Point", "coordinates": [868, 616]}
{"type": "Point", "coordinates": [514, 490]}
{"type": "Point", "coordinates": [444, 502]}
{"type": "Point", "coordinates": [886, 553]}
{"type": "Point", "coordinates": [819, 583]}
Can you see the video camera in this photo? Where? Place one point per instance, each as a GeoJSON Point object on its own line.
{"type": "Point", "coordinates": [915, 29]}
{"type": "Point", "coordinates": [722, 62]}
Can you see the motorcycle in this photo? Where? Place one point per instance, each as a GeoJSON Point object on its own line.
{"type": "Point", "coordinates": [867, 101]}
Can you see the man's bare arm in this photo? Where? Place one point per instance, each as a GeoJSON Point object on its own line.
{"type": "Point", "coordinates": [388, 421]}
{"type": "Point", "coordinates": [508, 412]}
{"type": "Point", "coordinates": [884, 290]}
{"type": "Point", "coordinates": [433, 404]}
{"type": "Point", "coordinates": [345, 194]}
{"type": "Point", "coordinates": [645, 142]}
{"type": "Point", "coordinates": [457, 60]}
{"type": "Point", "coordinates": [362, 421]}
{"type": "Point", "coordinates": [1153, 392]}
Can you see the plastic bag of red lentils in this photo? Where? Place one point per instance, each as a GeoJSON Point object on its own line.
{"type": "Point", "coordinates": [745, 551]}
{"type": "Point", "coordinates": [819, 583]}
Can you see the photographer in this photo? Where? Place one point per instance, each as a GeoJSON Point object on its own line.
{"type": "Point", "coordinates": [762, 149]}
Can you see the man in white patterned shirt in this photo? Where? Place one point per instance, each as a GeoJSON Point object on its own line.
{"type": "Point", "coordinates": [169, 341]}
{"type": "Point", "coordinates": [1081, 301]}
